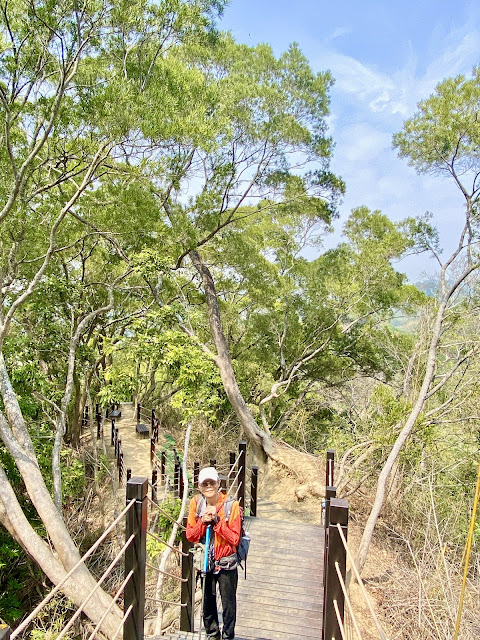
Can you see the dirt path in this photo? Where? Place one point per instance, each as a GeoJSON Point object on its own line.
{"type": "Point", "coordinates": [136, 449]}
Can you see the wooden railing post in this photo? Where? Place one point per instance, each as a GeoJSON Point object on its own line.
{"type": "Point", "coordinates": [154, 485]}
{"type": "Point", "coordinates": [196, 471]}
{"type": "Point", "coordinates": [112, 442]}
{"type": "Point", "coordinates": [329, 468]}
{"type": "Point", "coordinates": [242, 476]}
{"type": "Point", "coordinates": [331, 492]}
{"type": "Point", "coordinates": [139, 410]}
{"type": "Point", "coordinates": [336, 555]}
{"type": "Point", "coordinates": [188, 585]}
{"type": "Point", "coordinates": [99, 425]}
{"type": "Point", "coordinates": [253, 492]}
{"type": "Point", "coordinates": [180, 481]}
{"type": "Point", "coordinates": [163, 460]}
{"type": "Point", "coordinates": [152, 450]}
{"type": "Point", "coordinates": [135, 558]}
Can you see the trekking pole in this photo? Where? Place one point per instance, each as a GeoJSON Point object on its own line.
{"type": "Point", "coordinates": [208, 535]}
{"type": "Point", "coordinates": [207, 549]}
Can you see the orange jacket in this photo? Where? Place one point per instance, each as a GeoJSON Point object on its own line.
{"type": "Point", "coordinates": [227, 534]}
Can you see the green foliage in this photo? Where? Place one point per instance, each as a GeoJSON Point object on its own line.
{"type": "Point", "coordinates": [171, 506]}
{"type": "Point", "coordinates": [12, 577]}
{"type": "Point", "coordinates": [73, 475]}
{"type": "Point", "coordinates": [445, 128]}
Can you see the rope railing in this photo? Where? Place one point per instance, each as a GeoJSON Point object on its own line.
{"type": "Point", "coordinates": [60, 584]}
{"type": "Point", "coordinates": [359, 580]}
{"type": "Point", "coordinates": [336, 599]}
{"type": "Point", "coordinates": [174, 604]}
{"type": "Point", "coordinates": [165, 573]}
{"type": "Point", "coordinates": [122, 623]}
{"type": "Point", "coordinates": [236, 477]}
{"type": "Point", "coordinates": [158, 539]}
{"type": "Point", "coordinates": [348, 602]}
{"type": "Point", "coordinates": [165, 513]}
{"type": "Point", "coordinates": [117, 595]}
{"type": "Point", "coordinates": [339, 620]}
{"type": "Point", "coordinates": [96, 587]}
{"type": "Point", "coordinates": [236, 492]}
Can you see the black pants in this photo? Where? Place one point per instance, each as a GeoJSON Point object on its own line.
{"type": "Point", "coordinates": [227, 583]}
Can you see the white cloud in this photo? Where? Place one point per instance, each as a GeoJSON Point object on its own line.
{"type": "Point", "coordinates": [400, 91]}
{"type": "Point", "coordinates": [361, 143]}
{"type": "Point", "coordinates": [369, 104]}
{"type": "Point", "coordinates": [339, 32]}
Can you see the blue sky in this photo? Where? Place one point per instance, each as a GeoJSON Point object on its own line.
{"type": "Point", "coordinates": [385, 57]}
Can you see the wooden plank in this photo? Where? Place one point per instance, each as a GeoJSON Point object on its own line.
{"type": "Point", "coordinates": [282, 616]}
{"type": "Point", "coordinates": [282, 597]}
{"type": "Point", "coordinates": [294, 628]}
{"type": "Point", "coordinates": [280, 559]}
{"type": "Point", "coordinates": [308, 609]}
{"type": "Point", "coordinates": [283, 525]}
{"type": "Point", "coordinates": [260, 550]}
{"type": "Point", "coordinates": [277, 594]}
{"type": "Point", "coordinates": [286, 534]}
{"type": "Point", "coordinates": [254, 569]}
{"type": "Point", "coordinates": [299, 582]}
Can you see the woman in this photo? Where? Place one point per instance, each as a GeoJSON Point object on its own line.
{"type": "Point", "coordinates": [209, 510]}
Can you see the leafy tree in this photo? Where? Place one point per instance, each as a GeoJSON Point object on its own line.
{"type": "Point", "coordinates": [69, 123]}
{"type": "Point", "coordinates": [441, 138]}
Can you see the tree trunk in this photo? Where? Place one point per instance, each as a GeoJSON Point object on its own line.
{"type": "Point", "coordinates": [260, 440]}
{"type": "Point", "coordinates": [402, 437]}
{"type": "Point", "coordinates": [73, 424]}
{"type": "Point", "coordinates": [78, 587]}
{"type": "Point", "coordinates": [54, 562]}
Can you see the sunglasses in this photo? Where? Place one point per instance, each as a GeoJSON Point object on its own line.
{"type": "Point", "coordinates": [208, 483]}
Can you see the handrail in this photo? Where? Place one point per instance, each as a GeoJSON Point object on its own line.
{"type": "Point", "coordinates": [152, 535]}
{"type": "Point", "coordinates": [362, 586]}
{"type": "Point", "coordinates": [120, 626]}
{"type": "Point", "coordinates": [165, 573]}
{"type": "Point", "coordinates": [95, 588]}
{"type": "Point", "coordinates": [234, 465]}
{"type": "Point", "coordinates": [236, 477]}
{"type": "Point", "coordinates": [165, 513]}
{"type": "Point", "coordinates": [110, 606]}
{"type": "Point", "coordinates": [339, 620]}
{"type": "Point", "coordinates": [175, 604]}
{"type": "Point", "coordinates": [348, 601]}
{"type": "Point", "coordinates": [57, 588]}
{"type": "Point", "coordinates": [236, 492]}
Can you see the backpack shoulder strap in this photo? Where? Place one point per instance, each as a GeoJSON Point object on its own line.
{"type": "Point", "coordinates": [201, 504]}
{"type": "Point", "coordinates": [227, 507]}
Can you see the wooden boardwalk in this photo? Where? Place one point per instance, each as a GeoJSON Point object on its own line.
{"type": "Point", "coordinates": [136, 450]}
{"type": "Point", "coordinates": [281, 599]}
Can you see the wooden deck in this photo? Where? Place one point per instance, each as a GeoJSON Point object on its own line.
{"type": "Point", "coordinates": [282, 595]}
{"type": "Point", "coordinates": [281, 599]}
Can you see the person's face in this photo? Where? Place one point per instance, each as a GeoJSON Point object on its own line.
{"type": "Point", "coordinates": [209, 488]}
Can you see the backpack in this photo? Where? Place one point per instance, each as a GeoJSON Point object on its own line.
{"type": "Point", "coordinates": [244, 543]}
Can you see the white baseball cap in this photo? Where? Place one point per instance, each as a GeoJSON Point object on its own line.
{"type": "Point", "coordinates": [209, 473]}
